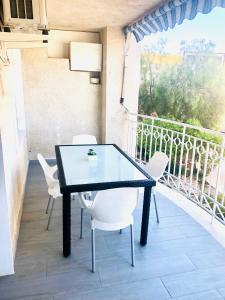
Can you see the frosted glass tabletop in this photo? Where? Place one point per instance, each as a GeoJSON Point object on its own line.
{"type": "Point", "coordinates": [110, 165]}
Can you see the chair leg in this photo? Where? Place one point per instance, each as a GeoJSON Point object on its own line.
{"type": "Point", "coordinates": [81, 222]}
{"type": "Point", "coordinates": [121, 231]}
{"type": "Point", "coordinates": [50, 215]}
{"type": "Point", "coordinates": [156, 209]}
{"type": "Point", "coordinates": [49, 200]}
{"type": "Point", "coordinates": [132, 244]}
{"type": "Point", "coordinates": [93, 249]}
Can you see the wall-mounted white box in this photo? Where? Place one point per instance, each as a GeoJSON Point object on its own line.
{"type": "Point", "coordinates": [85, 57]}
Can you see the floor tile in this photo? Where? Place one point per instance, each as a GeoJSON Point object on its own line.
{"type": "Point", "coordinates": [145, 290]}
{"type": "Point", "coordinates": [208, 295]}
{"type": "Point", "coordinates": [195, 282]}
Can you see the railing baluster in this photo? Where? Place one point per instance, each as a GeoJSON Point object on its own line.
{"type": "Point", "coordinates": [186, 165]}
{"type": "Point", "coordinates": [146, 144]}
{"type": "Point", "coordinates": [161, 137]}
{"type": "Point", "coordinates": [166, 141]}
{"type": "Point", "coordinates": [211, 171]}
{"type": "Point", "coordinates": [156, 139]}
{"type": "Point", "coordinates": [217, 181]}
{"type": "Point", "coordinates": [170, 157]}
{"type": "Point", "coordinates": [142, 131]}
{"type": "Point", "coordinates": [181, 155]}
{"type": "Point", "coordinates": [198, 167]}
{"type": "Point", "coordinates": [151, 138]}
{"type": "Point", "coordinates": [175, 158]}
{"type": "Point", "coordinates": [136, 135]}
{"type": "Point", "coordinates": [205, 170]}
{"type": "Point", "coordinates": [192, 163]}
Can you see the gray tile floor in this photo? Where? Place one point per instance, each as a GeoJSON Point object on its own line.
{"type": "Point", "coordinates": [181, 261]}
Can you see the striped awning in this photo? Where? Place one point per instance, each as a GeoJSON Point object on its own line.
{"type": "Point", "coordinates": [168, 15]}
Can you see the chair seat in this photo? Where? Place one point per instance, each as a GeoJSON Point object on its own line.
{"type": "Point", "coordinates": [96, 224]}
{"type": "Point", "coordinates": [111, 210]}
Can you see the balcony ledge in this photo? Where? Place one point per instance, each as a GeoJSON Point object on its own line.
{"type": "Point", "coordinates": [214, 227]}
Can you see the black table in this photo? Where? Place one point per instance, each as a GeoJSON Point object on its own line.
{"type": "Point", "coordinates": [112, 169]}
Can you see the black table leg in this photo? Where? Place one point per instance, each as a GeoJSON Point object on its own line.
{"type": "Point", "coordinates": [145, 215]}
{"type": "Point", "coordinates": [66, 224]}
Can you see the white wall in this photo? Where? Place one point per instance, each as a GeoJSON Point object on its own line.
{"type": "Point", "coordinates": [6, 252]}
{"type": "Point", "coordinates": [59, 103]}
{"type": "Point", "coordinates": [14, 158]}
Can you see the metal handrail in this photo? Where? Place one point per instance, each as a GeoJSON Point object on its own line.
{"type": "Point", "coordinates": [210, 131]}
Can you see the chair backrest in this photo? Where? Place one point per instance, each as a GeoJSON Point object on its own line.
{"type": "Point", "coordinates": [47, 170]}
{"type": "Point", "coordinates": [157, 165]}
{"type": "Point", "coordinates": [84, 139]}
{"type": "Point", "coordinates": [115, 205]}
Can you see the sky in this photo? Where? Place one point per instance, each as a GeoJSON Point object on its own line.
{"type": "Point", "coordinates": [210, 27]}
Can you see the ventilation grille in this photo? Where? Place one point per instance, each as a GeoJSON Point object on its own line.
{"type": "Point", "coordinates": [21, 9]}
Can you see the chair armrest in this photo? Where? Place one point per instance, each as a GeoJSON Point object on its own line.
{"type": "Point", "coordinates": [54, 169]}
{"type": "Point", "coordinates": [84, 203]}
{"type": "Point", "coordinates": [55, 182]}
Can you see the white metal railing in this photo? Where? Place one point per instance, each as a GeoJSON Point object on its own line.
{"type": "Point", "coordinates": [196, 158]}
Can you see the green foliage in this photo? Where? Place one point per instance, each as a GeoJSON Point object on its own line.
{"type": "Point", "coordinates": [191, 92]}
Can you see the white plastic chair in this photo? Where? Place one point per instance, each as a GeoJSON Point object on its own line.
{"type": "Point", "coordinates": [83, 139]}
{"type": "Point", "coordinates": [111, 210]}
{"type": "Point", "coordinates": [155, 167]}
{"type": "Point", "coordinates": [53, 184]}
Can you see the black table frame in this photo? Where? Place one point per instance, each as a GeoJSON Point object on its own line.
{"type": "Point", "coordinates": [66, 191]}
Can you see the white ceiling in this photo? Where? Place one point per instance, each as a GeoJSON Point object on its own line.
{"type": "Point", "coordinates": [95, 14]}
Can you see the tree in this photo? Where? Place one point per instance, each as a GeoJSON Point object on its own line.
{"type": "Point", "coordinates": [193, 91]}
{"type": "Point", "coordinates": [197, 46]}
{"type": "Point", "coordinates": [149, 73]}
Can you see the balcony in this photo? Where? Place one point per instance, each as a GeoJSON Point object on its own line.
{"type": "Point", "coordinates": [196, 158]}
{"type": "Point", "coordinates": [181, 260]}
{"type": "Point", "coordinates": [47, 105]}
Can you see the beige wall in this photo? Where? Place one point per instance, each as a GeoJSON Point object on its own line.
{"type": "Point", "coordinates": [132, 74]}
{"type": "Point", "coordinates": [59, 103]}
{"type": "Point", "coordinates": [58, 45]}
{"type": "Point", "coordinates": [54, 94]}
{"type": "Point", "coordinates": [131, 90]}
{"type": "Point", "coordinates": [114, 117]}
{"type": "Point", "coordinates": [14, 158]}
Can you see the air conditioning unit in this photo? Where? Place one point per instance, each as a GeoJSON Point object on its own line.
{"type": "Point", "coordinates": [24, 13]}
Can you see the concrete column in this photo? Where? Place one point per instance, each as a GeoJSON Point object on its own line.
{"type": "Point", "coordinates": [114, 116]}
{"type": "Point", "coordinates": [131, 92]}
